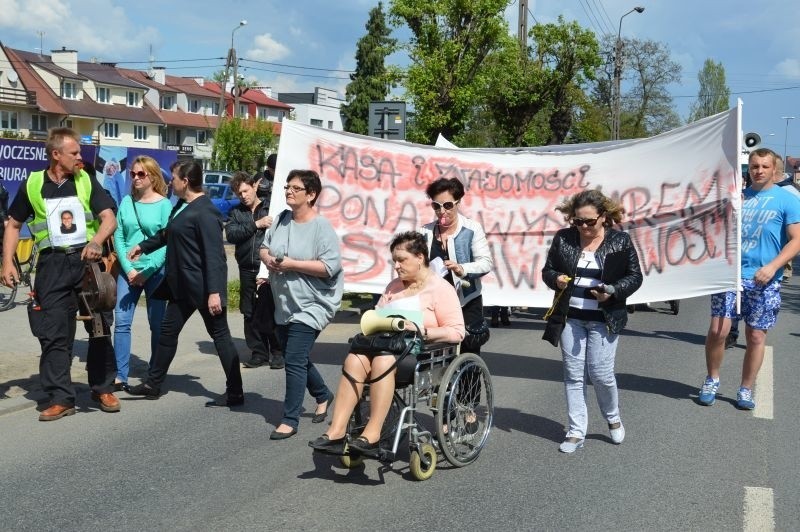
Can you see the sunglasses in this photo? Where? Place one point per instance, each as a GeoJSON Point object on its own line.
{"type": "Point", "coordinates": [590, 222]}
{"type": "Point", "coordinates": [447, 205]}
{"type": "Point", "coordinates": [287, 188]}
{"type": "Point", "coordinates": [139, 174]}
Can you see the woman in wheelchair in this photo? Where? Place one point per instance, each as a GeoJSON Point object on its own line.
{"type": "Point", "coordinates": [416, 287]}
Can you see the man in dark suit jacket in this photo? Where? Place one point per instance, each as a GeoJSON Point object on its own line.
{"type": "Point", "coordinates": [197, 277]}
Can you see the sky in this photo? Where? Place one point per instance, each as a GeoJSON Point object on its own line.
{"type": "Point", "coordinates": [298, 45]}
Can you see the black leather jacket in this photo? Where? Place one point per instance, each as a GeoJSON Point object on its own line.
{"type": "Point", "coordinates": [241, 231]}
{"type": "Point", "coordinates": [620, 268]}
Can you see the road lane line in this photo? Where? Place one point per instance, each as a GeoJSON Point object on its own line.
{"type": "Point", "coordinates": [759, 509]}
{"type": "Point", "coordinates": [764, 392]}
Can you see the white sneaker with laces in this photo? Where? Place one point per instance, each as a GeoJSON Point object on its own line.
{"type": "Point", "coordinates": [618, 433]}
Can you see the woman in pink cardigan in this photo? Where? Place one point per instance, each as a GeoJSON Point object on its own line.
{"type": "Point", "coordinates": [416, 287]}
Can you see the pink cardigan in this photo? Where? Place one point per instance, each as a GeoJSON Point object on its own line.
{"type": "Point", "coordinates": [441, 310]}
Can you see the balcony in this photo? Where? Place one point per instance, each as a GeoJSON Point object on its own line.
{"type": "Point", "coordinates": [17, 96]}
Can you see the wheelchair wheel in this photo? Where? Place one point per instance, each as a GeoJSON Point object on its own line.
{"type": "Point", "coordinates": [464, 409]}
{"type": "Point", "coordinates": [418, 469]}
{"type": "Point", "coordinates": [360, 418]}
{"type": "Point", "coordinates": [351, 462]}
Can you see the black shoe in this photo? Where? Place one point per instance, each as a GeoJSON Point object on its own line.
{"type": "Point", "coordinates": [326, 445]}
{"type": "Point", "coordinates": [145, 390]}
{"type": "Point", "coordinates": [362, 445]}
{"type": "Point", "coordinates": [730, 341]}
{"type": "Point", "coordinates": [277, 362]}
{"type": "Point", "coordinates": [121, 387]}
{"type": "Point", "coordinates": [227, 399]}
{"type": "Point", "coordinates": [319, 418]}
{"type": "Point", "coordinates": [255, 362]}
{"type": "Point", "coordinates": [275, 435]}
{"type": "Point", "coordinates": [504, 320]}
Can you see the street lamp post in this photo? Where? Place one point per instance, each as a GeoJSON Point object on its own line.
{"type": "Point", "coordinates": [232, 60]}
{"type": "Point", "coordinates": [786, 137]}
{"type": "Point", "coordinates": [616, 116]}
{"type": "Point", "coordinates": [235, 62]}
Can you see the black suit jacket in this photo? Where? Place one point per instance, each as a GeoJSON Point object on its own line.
{"type": "Point", "coordinates": [196, 264]}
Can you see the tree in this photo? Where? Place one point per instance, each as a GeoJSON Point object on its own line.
{"type": "Point", "coordinates": [371, 80]}
{"type": "Point", "coordinates": [245, 83]}
{"type": "Point", "coordinates": [450, 41]}
{"type": "Point", "coordinates": [647, 108]}
{"type": "Point", "coordinates": [714, 95]}
{"type": "Point", "coordinates": [241, 144]}
{"type": "Point", "coordinates": [533, 93]}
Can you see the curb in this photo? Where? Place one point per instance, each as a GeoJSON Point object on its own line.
{"type": "Point", "coordinates": [15, 404]}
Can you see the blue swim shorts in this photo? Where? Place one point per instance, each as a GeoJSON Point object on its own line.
{"type": "Point", "coordinates": [760, 304]}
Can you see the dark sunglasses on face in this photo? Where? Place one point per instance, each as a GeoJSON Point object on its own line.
{"type": "Point", "coordinates": [447, 205]}
{"type": "Point", "coordinates": [139, 174]}
{"type": "Point", "coordinates": [590, 222]}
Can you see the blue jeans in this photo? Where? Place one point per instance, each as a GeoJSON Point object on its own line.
{"type": "Point", "coordinates": [297, 340]}
{"type": "Point", "coordinates": [587, 347]}
{"type": "Point", "coordinates": [127, 297]}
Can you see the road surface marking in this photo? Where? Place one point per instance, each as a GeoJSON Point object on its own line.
{"type": "Point", "coordinates": [759, 509]}
{"type": "Point", "coordinates": [764, 392]}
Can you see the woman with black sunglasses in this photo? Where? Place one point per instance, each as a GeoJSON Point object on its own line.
{"type": "Point", "coordinates": [593, 269]}
{"type": "Point", "coordinates": [460, 243]}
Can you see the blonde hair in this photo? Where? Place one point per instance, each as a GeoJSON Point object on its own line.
{"type": "Point", "coordinates": [152, 168]}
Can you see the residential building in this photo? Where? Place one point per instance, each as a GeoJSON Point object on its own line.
{"type": "Point", "coordinates": [254, 103]}
{"type": "Point", "coordinates": [319, 108]}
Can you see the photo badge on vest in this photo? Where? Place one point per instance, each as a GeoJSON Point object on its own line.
{"type": "Point", "coordinates": [66, 221]}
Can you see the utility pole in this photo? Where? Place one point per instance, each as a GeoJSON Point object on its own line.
{"type": "Point", "coordinates": [223, 87]}
{"type": "Point", "coordinates": [616, 112]}
{"type": "Point", "coordinates": [786, 138]}
{"type": "Point", "coordinates": [233, 60]}
{"type": "Point", "coordinates": [522, 31]}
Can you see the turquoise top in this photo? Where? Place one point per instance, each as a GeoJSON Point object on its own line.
{"type": "Point", "coordinates": [153, 217]}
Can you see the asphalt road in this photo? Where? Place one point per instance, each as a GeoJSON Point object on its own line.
{"type": "Point", "coordinates": [172, 464]}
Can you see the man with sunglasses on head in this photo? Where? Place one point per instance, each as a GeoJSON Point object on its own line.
{"type": "Point", "coordinates": [770, 238]}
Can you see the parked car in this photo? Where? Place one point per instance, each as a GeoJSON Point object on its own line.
{"type": "Point", "coordinates": [216, 176]}
{"type": "Point", "coordinates": [222, 197]}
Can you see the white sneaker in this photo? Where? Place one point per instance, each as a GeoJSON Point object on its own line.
{"type": "Point", "coordinates": [570, 445]}
{"type": "Point", "coordinates": [617, 434]}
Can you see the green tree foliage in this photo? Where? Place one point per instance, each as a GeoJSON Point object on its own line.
{"type": "Point", "coordinates": [241, 144]}
{"type": "Point", "coordinates": [714, 95]}
{"type": "Point", "coordinates": [647, 108]}
{"type": "Point", "coordinates": [371, 80]}
{"type": "Point", "coordinates": [532, 97]}
{"type": "Point", "coordinates": [450, 42]}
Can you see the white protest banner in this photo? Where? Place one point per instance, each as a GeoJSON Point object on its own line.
{"type": "Point", "coordinates": [680, 190]}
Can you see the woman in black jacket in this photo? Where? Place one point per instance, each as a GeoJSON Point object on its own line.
{"type": "Point", "coordinates": [593, 269]}
{"type": "Point", "coordinates": [197, 277]}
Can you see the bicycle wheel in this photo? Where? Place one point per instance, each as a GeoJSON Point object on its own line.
{"type": "Point", "coordinates": [8, 295]}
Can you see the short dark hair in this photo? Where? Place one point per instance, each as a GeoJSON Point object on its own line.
{"type": "Point", "coordinates": [272, 160]}
{"type": "Point", "coordinates": [310, 180]}
{"type": "Point", "coordinates": [193, 173]}
{"type": "Point", "coordinates": [453, 186]}
{"type": "Point", "coordinates": [413, 242]}
{"type": "Point", "coordinates": [243, 177]}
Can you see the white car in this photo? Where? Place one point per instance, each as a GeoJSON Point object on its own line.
{"type": "Point", "coordinates": [213, 177]}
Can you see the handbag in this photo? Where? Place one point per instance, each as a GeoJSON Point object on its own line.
{"type": "Point", "coordinates": [477, 335]}
{"type": "Point", "coordinates": [110, 259]}
{"type": "Point", "coordinates": [553, 329]}
{"type": "Point", "coordinates": [397, 343]}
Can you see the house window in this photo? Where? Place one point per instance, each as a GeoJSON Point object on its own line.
{"type": "Point", "coordinates": [167, 102]}
{"type": "Point", "coordinates": [202, 136]}
{"type": "Point", "coordinates": [242, 111]}
{"type": "Point", "coordinates": [133, 99]}
{"type": "Point", "coordinates": [139, 132]}
{"type": "Point", "coordinates": [215, 108]}
{"type": "Point", "coordinates": [163, 132]}
{"type": "Point", "coordinates": [315, 122]}
{"type": "Point", "coordinates": [262, 113]}
{"type": "Point", "coordinates": [194, 106]}
{"type": "Point", "coordinates": [103, 95]}
{"type": "Point", "coordinates": [38, 123]}
{"type": "Point", "coordinates": [69, 90]}
{"type": "Point", "coordinates": [68, 123]}
{"type": "Point", "coordinates": [178, 136]}
{"type": "Point", "coordinates": [330, 124]}
{"type": "Point", "coordinates": [9, 120]}
{"type": "Point", "coordinates": [111, 130]}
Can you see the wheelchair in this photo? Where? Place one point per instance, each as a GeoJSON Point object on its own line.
{"type": "Point", "coordinates": [455, 387]}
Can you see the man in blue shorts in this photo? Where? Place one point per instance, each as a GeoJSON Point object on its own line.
{"type": "Point", "coordinates": [770, 238]}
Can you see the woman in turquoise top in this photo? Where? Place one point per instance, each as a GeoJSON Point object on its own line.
{"type": "Point", "coordinates": [140, 215]}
